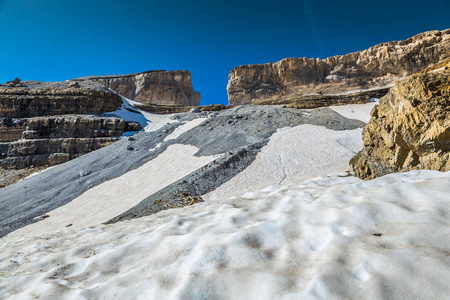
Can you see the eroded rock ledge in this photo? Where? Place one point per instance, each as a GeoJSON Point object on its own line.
{"type": "Point", "coordinates": [47, 141]}
{"type": "Point", "coordinates": [377, 66]}
{"type": "Point", "coordinates": [318, 100]}
{"type": "Point", "coordinates": [35, 99]}
{"type": "Point", "coordinates": [410, 128]}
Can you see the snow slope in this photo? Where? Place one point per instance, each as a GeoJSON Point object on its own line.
{"type": "Point", "coordinates": [294, 154]}
{"type": "Point", "coordinates": [111, 198]}
{"type": "Point", "coordinates": [332, 237]}
{"type": "Point", "coordinates": [328, 238]}
{"type": "Point", "coordinates": [150, 122]}
{"type": "Point", "coordinates": [355, 111]}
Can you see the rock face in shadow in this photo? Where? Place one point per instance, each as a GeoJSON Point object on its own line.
{"type": "Point", "coordinates": [410, 128]}
{"type": "Point", "coordinates": [152, 87]}
{"type": "Point", "coordinates": [53, 140]}
{"type": "Point", "coordinates": [377, 66]}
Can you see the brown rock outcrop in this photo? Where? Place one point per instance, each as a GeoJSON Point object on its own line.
{"type": "Point", "coordinates": [318, 100]}
{"type": "Point", "coordinates": [38, 128]}
{"type": "Point", "coordinates": [45, 99]}
{"type": "Point", "coordinates": [173, 109]}
{"type": "Point", "coordinates": [409, 129]}
{"type": "Point", "coordinates": [152, 87]}
{"type": "Point", "coordinates": [53, 140]}
{"type": "Point", "coordinates": [377, 66]}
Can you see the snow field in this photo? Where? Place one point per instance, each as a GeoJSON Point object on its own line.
{"type": "Point", "coordinates": [333, 237]}
{"type": "Point", "coordinates": [310, 240]}
{"type": "Point", "coordinates": [294, 154]}
{"type": "Point", "coordinates": [355, 111]}
{"type": "Point", "coordinates": [150, 122]}
{"type": "Point", "coordinates": [111, 198]}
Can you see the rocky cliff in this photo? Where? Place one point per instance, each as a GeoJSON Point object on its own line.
{"type": "Point", "coordinates": [43, 141]}
{"type": "Point", "coordinates": [152, 87]}
{"type": "Point", "coordinates": [34, 98]}
{"type": "Point", "coordinates": [410, 128]}
{"type": "Point", "coordinates": [377, 66]}
{"type": "Point", "coordinates": [47, 123]}
{"type": "Point", "coordinates": [318, 100]}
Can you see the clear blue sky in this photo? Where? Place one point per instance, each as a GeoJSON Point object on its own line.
{"type": "Point", "coordinates": [54, 40]}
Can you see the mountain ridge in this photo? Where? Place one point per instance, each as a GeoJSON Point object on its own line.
{"type": "Point", "coordinates": [376, 66]}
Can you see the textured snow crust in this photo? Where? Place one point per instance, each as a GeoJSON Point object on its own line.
{"type": "Point", "coordinates": [331, 237]}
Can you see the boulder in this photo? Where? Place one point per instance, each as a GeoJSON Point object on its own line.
{"type": "Point", "coordinates": [195, 110]}
{"type": "Point", "coordinates": [74, 85]}
{"type": "Point", "coordinates": [410, 128]}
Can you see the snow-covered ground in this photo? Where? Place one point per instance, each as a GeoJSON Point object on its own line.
{"type": "Point", "coordinates": [150, 122]}
{"type": "Point", "coordinates": [294, 154]}
{"type": "Point", "coordinates": [328, 238]}
{"type": "Point", "coordinates": [111, 198]}
{"type": "Point", "coordinates": [355, 111]}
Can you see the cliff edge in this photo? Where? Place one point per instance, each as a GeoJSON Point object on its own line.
{"type": "Point", "coordinates": [151, 87]}
{"type": "Point", "coordinates": [376, 67]}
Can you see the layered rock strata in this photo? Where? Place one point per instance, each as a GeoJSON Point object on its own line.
{"type": "Point", "coordinates": [49, 141]}
{"type": "Point", "coordinates": [152, 87]}
{"type": "Point", "coordinates": [34, 99]}
{"type": "Point", "coordinates": [377, 66]}
{"type": "Point", "coordinates": [318, 100]}
{"type": "Point", "coordinates": [38, 128]}
{"type": "Point", "coordinates": [173, 109]}
{"type": "Point", "coordinates": [409, 129]}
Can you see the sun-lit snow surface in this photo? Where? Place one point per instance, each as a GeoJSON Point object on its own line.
{"type": "Point", "coordinates": [180, 130]}
{"type": "Point", "coordinates": [150, 122]}
{"type": "Point", "coordinates": [311, 240]}
{"type": "Point", "coordinates": [111, 198]}
{"type": "Point", "coordinates": [355, 111]}
{"type": "Point", "coordinates": [294, 154]}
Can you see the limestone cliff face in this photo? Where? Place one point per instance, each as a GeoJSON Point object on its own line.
{"type": "Point", "coordinates": [152, 87]}
{"type": "Point", "coordinates": [53, 140]}
{"type": "Point", "coordinates": [46, 123]}
{"type": "Point", "coordinates": [377, 66]}
{"type": "Point", "coordinates": [45, 99]}
{"type": "Point", "coordinates": [410, 128]}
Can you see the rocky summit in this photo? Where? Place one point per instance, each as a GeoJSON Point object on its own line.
{"type": "Point", "coordinates": [376, 67]}
{"type": "Point", "coordinates": [152, 87]}
{"type": "Point", "coordinates": [410, 128]}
